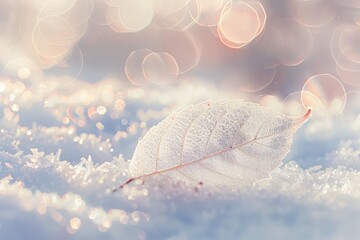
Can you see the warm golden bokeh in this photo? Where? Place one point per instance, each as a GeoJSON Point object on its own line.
{"type": "Point", "coordinates": [81, 81]}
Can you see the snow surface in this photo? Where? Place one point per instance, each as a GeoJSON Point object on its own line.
{"type": "Point", "coordinates": [56, 182]}
{"type": "Point", "coordinates": [70, 119]}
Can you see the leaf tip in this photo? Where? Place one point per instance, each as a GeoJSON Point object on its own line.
{"type": "Point", "coordinates": [304, 118]}
{"type": "Point", "coordinates": [124, 184]}
{"type": "Point", "coordinates": [307, 114]}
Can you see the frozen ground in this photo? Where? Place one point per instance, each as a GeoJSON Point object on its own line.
{"type": "Point", "coordinates": [82, 80]}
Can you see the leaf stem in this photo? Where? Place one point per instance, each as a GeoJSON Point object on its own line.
{"type": "Point", "coordinates": [124, 184]}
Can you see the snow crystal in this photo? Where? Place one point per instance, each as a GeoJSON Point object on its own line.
{"type": "Point", "coordinates": [63, 175]}
{"type": "Point", "coordinates": [70, 120]}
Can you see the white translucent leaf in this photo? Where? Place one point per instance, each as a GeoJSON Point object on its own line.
{"type": "Point", "coordinates": [217, 143]}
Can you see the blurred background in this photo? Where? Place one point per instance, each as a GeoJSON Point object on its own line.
{"type": "Point", "coordinates": [246, 48]}
{"type": "Point", "coordinates": [82, 80]}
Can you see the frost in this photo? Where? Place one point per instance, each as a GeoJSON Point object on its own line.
{"type": "Point", "coordinates": [60, 208]}
{"type": "Point", "coordinates": [60, 176]}
{"type": "Point", "coordinates": [72, 113]}
{"type": "Point", "coordinates": [314, 184]}
{"type": "Point", "coordinates": [216, 143]}
{"type": "Point", "coordinates": [347, 154]}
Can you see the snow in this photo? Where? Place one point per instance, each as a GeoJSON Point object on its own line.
{"type": "Point", "coordinates": [56, 183]}
{"type": "Point", "coordinates": [70, 120]}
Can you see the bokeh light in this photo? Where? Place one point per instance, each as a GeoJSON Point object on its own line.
{"type": "Point", "coordinates": [210, 11]}
{"type": "Point", "coordinates": [183, 47]}
{"type": "Point", "coordinates": [325, 93]}
{"type": "Point", "coordinates": [297, 41]}
{"type": "Point", "coordinates": [240, 23]}
{"type": "Point", "coordinates": [315, 13]}
{"type": "Point", "coordinates": [160, 67]}
{"type": "Point", "coordinates": [21, 68]}
{"type": "Point", "coordinates": [82, 81]}
{"type": "Point", "coordinates": [293, 104]}
{"type": "Point", "coordinates": [133, 66]}
{"type": "Point", "coordinates": [121, 17]}
{"type": "Point", "coordinates": [345, 48]}
{"type": "Point", "coordinates": [176, 15]}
